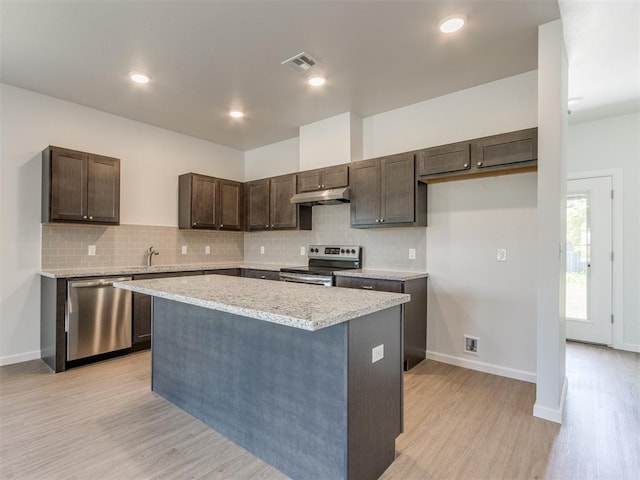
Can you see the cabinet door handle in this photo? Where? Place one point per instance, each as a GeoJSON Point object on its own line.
{"type": "Point", "coordinates": [479, 164]}
{"type": "Point", "coordinates": [466, 165]}
{"type": "Point", "coordinates": [267, 226]}
{"type": "Point", "coordinates": [367, 287]}
{"type": "Point", "coordinates": [263, 277]}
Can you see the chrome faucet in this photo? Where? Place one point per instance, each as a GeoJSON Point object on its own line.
{"type": "Point", "coordinates": [150, 253]}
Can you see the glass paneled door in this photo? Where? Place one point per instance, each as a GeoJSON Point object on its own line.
{"type": "Point", "coordinates": [589, 260]}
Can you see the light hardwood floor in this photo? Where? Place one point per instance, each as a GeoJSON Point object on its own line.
{"type": "Point", "coordinates": [101, 421]}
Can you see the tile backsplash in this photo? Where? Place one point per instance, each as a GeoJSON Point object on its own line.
{"type": "Point", "coordinates": [383, 248]}
{"type": "Point", "coordinates": [66, 245]}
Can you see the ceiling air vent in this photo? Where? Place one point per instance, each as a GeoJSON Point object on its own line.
{"type": "Point", "coordinates": [300, 62]}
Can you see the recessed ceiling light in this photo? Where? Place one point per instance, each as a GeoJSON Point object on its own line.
{"type": "Point", "coordinates": [574, 100]}
{"type": "Point", "coordinates": [316, 80]}
{"type": "Point", "coordinates": [236, 114]}
{"type": "Point", "coordinates": [139, 77]}
{"type": "Point", "coordinates": [452, 23]}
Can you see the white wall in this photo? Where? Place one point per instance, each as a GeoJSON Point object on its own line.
{"type": "Point", "coordinates": [607, 144]}
{"type": "Point", "coordinates": [151, 160]}
{"type": "Point", "coordinates": [331, 141]}
{"type": "Point", "coordinates": [469, 292]}
{"type": "Point", "coordinates": [276, 159]}
{"type": "Point", "coordinates": [501, 106]}
{"type": "Point", "coordinates": [551, 222]}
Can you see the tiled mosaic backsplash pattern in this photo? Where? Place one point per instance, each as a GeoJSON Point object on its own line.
{"type": "Point", "coordinates": [66, 246]}
{"type": "Point", "coordinates": [383, 248]}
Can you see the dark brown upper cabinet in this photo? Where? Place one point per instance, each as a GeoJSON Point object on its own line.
{"type": "Point", "coordinates": [80, 187]}
{"type": "Point", "coordinates": [455, 157]}
{"type": "Point", "coordinates": [269, 205]}
{"type": "Point", "coordinates": [384, 192]}
{"type": "Point", "coordinates": [210, 203]}
{"type": "Point", "coordinates": [513, 152]}
{"type": "Point", "coordinates": [506, 149]}
{"type": "Point", "coordinates": [323, 178]}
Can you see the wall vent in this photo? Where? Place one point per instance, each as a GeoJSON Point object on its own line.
{"type": "Point", "coordinates": [301, 62]}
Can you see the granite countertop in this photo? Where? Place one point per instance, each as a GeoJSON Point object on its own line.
{"type": "Point", "coordinates": [106, 271]}
{"type": "Point", "coordinates": [133, 270]}
{"type": "Point", "coordinates": [308, 307]}
{"type": "Point", "coordinates": [381, 274]}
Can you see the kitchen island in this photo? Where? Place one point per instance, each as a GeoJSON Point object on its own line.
{"type": "Point", "coordinates": [307, 378]}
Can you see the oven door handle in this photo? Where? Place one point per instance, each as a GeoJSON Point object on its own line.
{"type": "Point", "coordinates": [302, 278]}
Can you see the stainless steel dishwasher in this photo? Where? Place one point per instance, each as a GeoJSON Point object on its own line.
{"type": "Point", "coordinates": [98, 317]}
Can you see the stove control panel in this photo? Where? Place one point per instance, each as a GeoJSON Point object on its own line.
{"type": "Point", "coordinates": [342, 252]}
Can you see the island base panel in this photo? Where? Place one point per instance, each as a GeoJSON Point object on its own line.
{"type": "Point", "coordinates": [287, 395]}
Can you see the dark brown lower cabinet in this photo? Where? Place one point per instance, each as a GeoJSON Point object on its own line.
{"type": "Point", "coordinates": [414, 312]}
{"type": "Point", "coordinates": [142, 310]}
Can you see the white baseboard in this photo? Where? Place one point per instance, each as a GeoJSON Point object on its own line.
{"type": "Point", "coordinates": [552, 414]}
{"type": "Point", "coordinates": [483, 367]}
{"type": "Point", "coordinates": [628, 347]}
{"type": "Point", "coordinates": [19, 358]}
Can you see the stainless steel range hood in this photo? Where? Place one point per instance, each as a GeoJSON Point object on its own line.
{"type": "Point", "coordinates": [322, 197]}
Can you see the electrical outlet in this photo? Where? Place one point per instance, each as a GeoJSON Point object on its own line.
{"type": "Point", "coordinates": [184, 249]}
{"type": "Point", "coordinates": [471, 345]}
{"type": "Point", "coordinates": [501, 255]}
{"type": "Point", "coordinates": [377, 353]}
{"type": "Point", "coordinates": [261, 249]}
{"type": "Point", "coordinates": [302, 251]}
{"type": "Point", "coordinates": [92, 250]}
{"type": "Point", "coordinates": [412, 254]}
{"type": "Point", "coordinates": [207, 250]}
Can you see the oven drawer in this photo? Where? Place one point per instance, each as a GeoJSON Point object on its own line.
{"type": "Point", "coordinates": [394, 286]}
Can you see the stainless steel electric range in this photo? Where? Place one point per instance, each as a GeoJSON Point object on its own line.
{"type": "Point", "coordinates": [324, 260]}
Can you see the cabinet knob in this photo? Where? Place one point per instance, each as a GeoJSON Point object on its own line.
{"type": "Point", "coordinates": [319, 186]}
{"type": "Point", "coordinates": [194, 224]}
{"type": "Point", "coordinates": [377, 220]}
{"type": "Point", "coordinates": [466, 165]}
{"type": "Point", "coordinates": [382, 220]}
{"type": "Point", "coordinates": [84, 217]}
{"type": "Point", "coordinates": [267, 226]}
{"type": "Point", "coordinates": [272, 226]}
{"type": "Point", "coordinates": [479, 164]}
{"type": "Point", "coordinates": [90, 217]}
{"type": "Point", "coordinates": [322, 186]}
{"type": "Point", "coordinates": [221, 225]}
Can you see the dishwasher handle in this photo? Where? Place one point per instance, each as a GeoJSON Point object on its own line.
{"type": "Point", "coordinates": [100, 282]}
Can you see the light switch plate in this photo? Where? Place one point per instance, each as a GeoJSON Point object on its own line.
{"type": "Point", "coordinates": [261, 249]}
{"type": "Point", "coordinates": [184, 249]}
{"type": "Point", "coordinates": [92, 250]}
{"type": "Point", "coordinates": [412, 254]}
{"type": "Point", "coordinates": [501, 255]}
{"type": "Point", "coordinates": [207, 250]}
{"type": "Point", "coordinates": [302, 251]}
{"type": "Point", "coordinates": [377, 353]}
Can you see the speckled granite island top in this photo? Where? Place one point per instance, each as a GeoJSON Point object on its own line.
{"type": "Point", "coordinates": [308, 307]}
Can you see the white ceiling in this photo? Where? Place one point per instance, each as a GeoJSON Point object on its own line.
{"type": "Point", "coordinates": [602, 38]}
{"type": "Point", "coordinates": [206, 57]}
